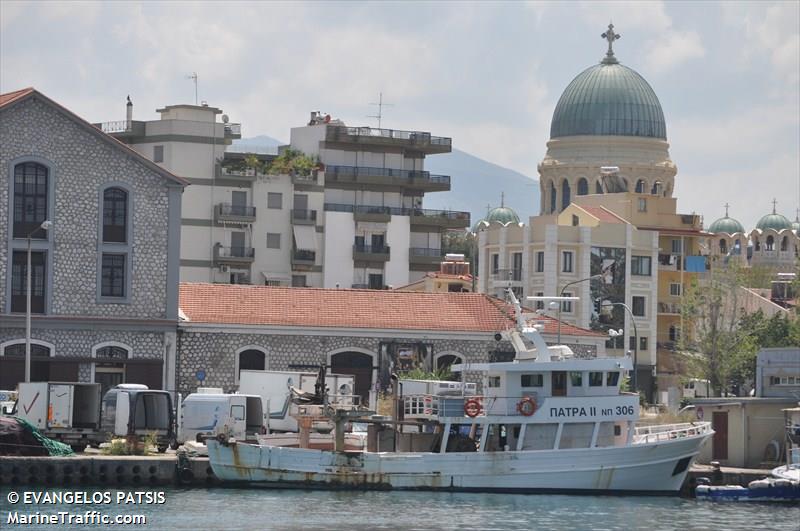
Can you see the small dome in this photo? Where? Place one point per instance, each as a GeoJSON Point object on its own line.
{"type": "Point", "coordinates": [774, 221]}
{"type": "Point", "coordinates": [726, 225]}
{"type": "Point", "coordinates": [503, 215]}
{"type": "Point", "coordinates": [796, 226]}
{"type": "Point", "coordinates": [480, 224]}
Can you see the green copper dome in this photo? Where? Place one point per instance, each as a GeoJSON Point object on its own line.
{"type": "Point", "coordinates": [502, 215]}
{"type": "Point", "coordinates": [726, 225]}
{"type": "Point", "coordinates": [796, 226]}
{"type": "Point", "coordinates": [609, 99]}
{"type": "Point", "coordinates": [774, 221]}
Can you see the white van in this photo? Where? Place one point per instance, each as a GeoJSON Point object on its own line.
{"type": "Point", "coordinates": [203, 415]}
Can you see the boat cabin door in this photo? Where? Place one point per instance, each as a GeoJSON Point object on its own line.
{"type": "Point", "coordinates": [559, 380]}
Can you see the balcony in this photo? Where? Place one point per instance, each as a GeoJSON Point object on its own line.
{"type": "Point", "coordinates": [370, 253]}
{"type": "Point", "coordinates": [506, 275]}
{"type": "Point", "coordinates": [669, 308]}
{"type": "Point", "coordinates": [303, 258]}
{"type": "Point", "coordinates": [425, 256]}
{"type": "Point", "coordinates": [233, 255]}
{"type": "Point", "coordinates": [310, 179]}
{"type": "Point", "coordinates": [122, 129]}
{"type": "Point", "coordinates": [304, 217]}
{"type": "Point", "coordinates": [246, 174]}
{"type": "Point", "coordinates": [379, 214]}
{"type": "Point", "coordinates": [354, 175]}
{"type": "Point", "coordinates": [416, 140]}
{"type": "Point", "coordinates": [236, 214]}
{"type": "Point", "coordinates": [233, 131]}
{"type": "Point", "coordinates": [444, 219]}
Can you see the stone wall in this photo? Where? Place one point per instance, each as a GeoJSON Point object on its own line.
{"type": "Point", "coordinates": [81, 164]}
{"type": "Point", "coordinates": [80, 343]}
{"type": "Point", "coordinates": [215, 353]}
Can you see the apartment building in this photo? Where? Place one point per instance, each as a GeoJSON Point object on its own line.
{"type": "Point", "coordinates": [376, 231]}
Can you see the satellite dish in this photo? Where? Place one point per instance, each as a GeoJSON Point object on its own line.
{"type": "Point", "coordinates": [344, 389]}
{"type": "Point", "coordinates": [225, 118]}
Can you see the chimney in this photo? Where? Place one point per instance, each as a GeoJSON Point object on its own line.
{"type": "Point", "coordinates": [128, 114]}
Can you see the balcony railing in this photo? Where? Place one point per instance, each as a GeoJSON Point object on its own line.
{"type": "Point", "coordinates": [122, 127]}
{"type": "Point", "coordinates": [302, 257]}
{"type": "Point", "coordinates": [421, 178]}
{"type": "Point", "coordinates": [671, 308]}
{"type": "Point", "coordinates": [233, 130]}
{"type": "Point", "coordinates": [371, 249]}
{"type": "Point", "coordinates": [226, 212]}
{"type": "Point", "coordinates": [421, 140]}
{"type": "Point", "coordinates": [304, 216]}
{"type": "Point", "coordinates": [248, 174]}
{"type": "Point", "coordinates": [507, 274]}
{"type": "Point", "coordinates": [425, 251]}
{"type": "Point", "coordinates": [448, 218]}
{"type": "Point", "coordinates": [234, 254]}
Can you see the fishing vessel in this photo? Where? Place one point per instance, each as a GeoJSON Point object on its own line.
{"type": "Point", "coordinates": [547, 421]}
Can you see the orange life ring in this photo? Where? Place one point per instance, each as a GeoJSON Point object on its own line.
{"type": "Point", "coordinates": [526, 406]}
{"type": "Point", "coordinates": [472, 407]}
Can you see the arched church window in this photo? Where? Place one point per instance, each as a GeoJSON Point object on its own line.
{"type": "Point", "coordinates": [583, 186]}
{"type": "Point", "coordinates": [598, 187]}
{"type": "Point", "coordinates": [770, 245]}
{"type": "Point", "coordinates": [640, 186]}
{"type": "Point", "coordinates": [552, 197]}
{"type": "Point", "coordinates": [785, 243]}
{"type": "Point", "coordinates": [565, 199]}
{"type": "Point", "coordinates": [656, 188]}
{"type": "Point", "coordinates": [723, 246]}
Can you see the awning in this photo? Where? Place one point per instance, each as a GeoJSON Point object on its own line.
{"type": "Point", "coordinates": [305, 237]}
{"type": "Point", "coordinates": [269, 275]}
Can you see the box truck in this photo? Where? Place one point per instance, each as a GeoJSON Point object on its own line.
{"type": "Point", "coordinates": [135, 410]}
{"type": "Point", "coordinates": [66, 411]}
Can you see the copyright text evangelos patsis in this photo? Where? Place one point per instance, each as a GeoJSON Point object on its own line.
{"type": "Point", "coordinates": [31, 507]}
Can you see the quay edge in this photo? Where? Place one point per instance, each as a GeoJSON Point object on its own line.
{"type": "Point", "coordinates": [106, 471]}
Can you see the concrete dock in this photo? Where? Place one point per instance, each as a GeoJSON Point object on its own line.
{"type": "Point", "coordinates": [106, 470]}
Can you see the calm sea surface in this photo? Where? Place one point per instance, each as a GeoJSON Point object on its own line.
{"type": "Point", "coordinates": [253, 509]}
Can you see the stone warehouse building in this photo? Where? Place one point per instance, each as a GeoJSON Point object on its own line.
{"type": "Point", "coordinates": [366, 333]}
{"type": "Point", "coordinates": [104, 289]}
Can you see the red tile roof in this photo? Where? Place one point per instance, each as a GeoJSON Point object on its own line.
{"type": "Point", "coordinates": [13, 96]}
{"type": "Point", "coordinates": [229, 304]}
{"type": "Point", "coordinates": [603, 214]}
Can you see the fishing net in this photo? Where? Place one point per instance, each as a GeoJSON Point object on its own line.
{"type": "Point", "coordinates": [54, 448]}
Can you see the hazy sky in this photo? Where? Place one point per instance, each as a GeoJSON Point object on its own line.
{"type": "Point", "coordinates": [487, 74]}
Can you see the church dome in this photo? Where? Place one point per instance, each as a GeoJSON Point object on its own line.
{"type": "Point", "coordinates": [609, 99]}
{"type": "Point", "coordinates": [726, 225]}
{"type": "Point", "coordinates": [503, 215]}
{"type": "Point", "coordinates": [774, 221]}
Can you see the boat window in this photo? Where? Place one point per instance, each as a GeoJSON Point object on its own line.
{"type": "Point", "coordinates": [532, 380]}
{"type": "Point", "coordinates": [237, 412]}
{"type": "Point", "coordinates": [576, 435]}
{"type": "Point", "coordinates": [606, 433]}
{"type": "Point", "coordinates": [612, 379]}
{"type": "Point", "coordinates": [540, 436]}
{"type": "Point", "coordinates": [494, 381]}
{"type": "Point", "coordinates": [595, 379]}
{"type": "Point", "coordinates": [576, 379]}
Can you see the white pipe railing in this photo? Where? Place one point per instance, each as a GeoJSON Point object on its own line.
{"type": "Point", "coordinates": [665, 432]}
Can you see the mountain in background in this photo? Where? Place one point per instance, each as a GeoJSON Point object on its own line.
{"type": "Point", "coordinates": [475, 182]}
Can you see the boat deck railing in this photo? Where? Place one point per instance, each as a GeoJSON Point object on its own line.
{"type": "Point", "coordinates": [666, 432]}
{"type": "Point", "coordinates": [426, 406]}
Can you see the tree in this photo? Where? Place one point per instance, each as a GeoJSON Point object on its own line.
{"type": "Point", "coordinates": [727, 339]}
{"type": "Point", "coordinates": [711, 311]}
{"type": "Point", "coordinates": [292, 162]}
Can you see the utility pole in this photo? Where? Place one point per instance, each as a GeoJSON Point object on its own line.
{"type": "Point", "coordinates": [193, 77]}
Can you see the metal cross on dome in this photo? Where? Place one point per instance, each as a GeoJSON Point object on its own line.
{"type": "Point", "coordinates": [726, 209]}
{"type": "Point", "coordinates": [610, 36]}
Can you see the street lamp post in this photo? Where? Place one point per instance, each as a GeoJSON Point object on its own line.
{"type": "Point", "coordinates": [635, 338]}
{"type": "Point", "coordinates": [561, 294]}
{"type": "Point", "coordinates": [45, 225]}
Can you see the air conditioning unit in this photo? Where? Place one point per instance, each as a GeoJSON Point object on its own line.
{"type": "Point", "coordinates": [224, 268]}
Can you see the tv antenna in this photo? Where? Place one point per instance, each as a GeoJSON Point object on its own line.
{"type": "Point", "coordinates": [193, 77]}
{"type": "Point", "coordinates": [380, 106]}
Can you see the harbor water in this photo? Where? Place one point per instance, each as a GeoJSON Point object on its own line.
{"type": "Point", "coordinates": [249, 509]}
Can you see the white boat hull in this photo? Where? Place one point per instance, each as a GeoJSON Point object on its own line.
{"type": "Point", "coordinates": [641, 468]}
